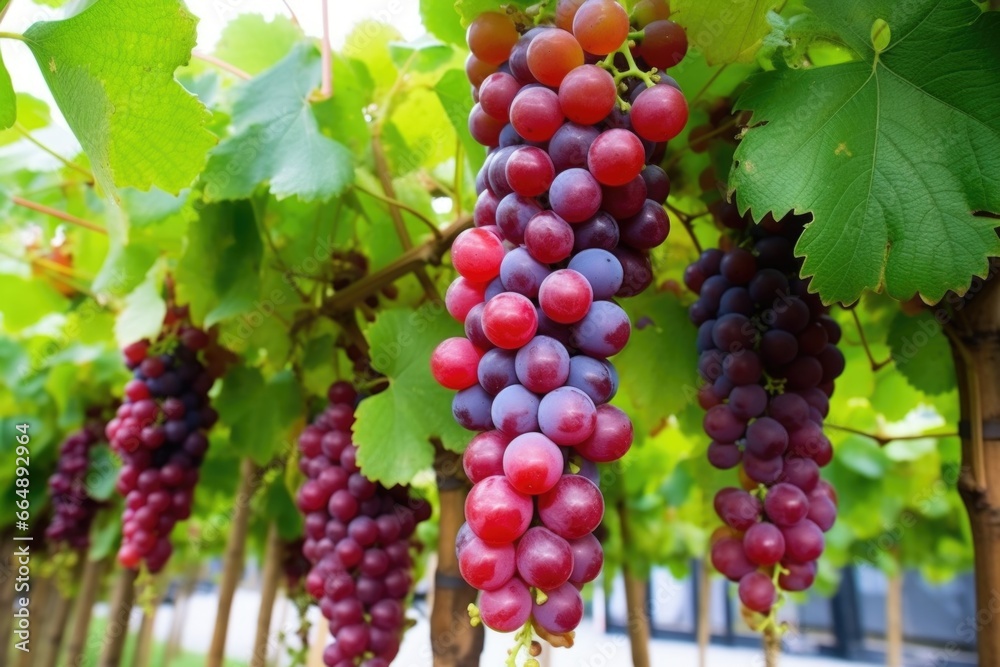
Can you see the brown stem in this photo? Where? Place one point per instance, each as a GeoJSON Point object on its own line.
{"type": "Point", "coordinates": [326, 88]}
{"type": "Point", "coordinates": [55, 620]}
{"type": "Point", "coordinates": [6, 592]}
{"type": "Point", "coordinates": [430, 224]}
{"type": "Point", "coordinates": [876, 365]}
{"type": "Point", "coordinates": [181, 604]}
{"type": "Point", "coordinates": [704, 613]}
{"type": "Point", "coordinates": [144, 642]}
{"type": "Point", "coordinates": [772, 647]}
{"type": "Point", "coordinates": [116, 632]}
{"type": "Point", "coordinates": [635, 599]}
{"type": "Point", "coordinates": [894, 622]}
{"type": "Point", "coordinates": [233, 563]}
{"type": "Point", "coordinates": [454, 641]}
{"type": "Point", "coordinates": [385, 178]}
{"type": "Point", "coordinates": [61, 215]}
{"type": "Point", "coordinates": [222, 64]}
{"type": "Point", "coordinates": [975, 338]}
{"type": "Point", "coordinates": [83, 611]}
{"type": "Point", "coordinates": [686, 223]}
{"type": "Point", "coordinates": [409, 262]}
{"type": "Point", "coordinates": [883, 440]}
{"type": "Point", "coordinates": [24, 132]}
{"type": "Point", "coordinates": [271, 578]}
{"type": "Point", "coordinates": [38, 600]}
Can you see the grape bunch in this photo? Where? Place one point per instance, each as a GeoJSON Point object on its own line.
{"type": "Point", "coordinates": [73, 509]}
{"type": "Point", "coordinates": [769, 358]}
{"type": "Point", "coordinates": [160, 432]}
{"type": "Point", "coordinates": [357, 539]}
{"type": "Point", "coordinates": [575, 117]}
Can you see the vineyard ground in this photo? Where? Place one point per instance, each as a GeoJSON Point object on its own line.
{"type": "Point", "coordinates": [595, 648]}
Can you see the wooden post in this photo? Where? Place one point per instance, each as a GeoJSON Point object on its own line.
{"type": "Point", "coordinates": [894, 621]}
{"type": "Point", "coordinates": [120, 612]}
{"type": "Point", "coordinates": [635, 600]}
{"type": "Point", "coordinates": [974, 333]}
{"type": "Point", "coordinates": [271, 579]}
{"type": "Point", "coordinates": [83, 611]}
{"type": "Point", "coordinates": [144, 643]}
{"type": "Point", "coordinates": [179, 616]}
{"type": "Point", "coordinates": [232, 567]}
{"type": "Point", "coordinates": [454, 642]}
{"type": "Point", "coordinates": [56, 617]}
{"type": "Point", "coordinates": [704, 612]}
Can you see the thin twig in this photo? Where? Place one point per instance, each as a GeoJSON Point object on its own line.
{"type": "Point", "coordinates": [61, 215]}
{"type": "Point", "coordinates": [883, 440]}
{"type": "Point", "coordinates": [66, 161]}
{"type": "Point", "coordinates": [326, 89]}
{"type": "Point", "coordinates": [12, 35]}
{"type": "Point", "coordinates": [291, 13]}
{"type": "Point", "coordinates": [409, 209]}
{"type": "Point", "coordinates": [411, 261]}
{"type": "Point", "coordinates": [686, 222]}
{"type": "Point", "coordinates": [222, 64]}
{"type": "Point", "coordinates": [876, 365]}
{"type": "Point", "coordinates": [708, 84]}
{"type": "Point", "coordinates": [384, 176]}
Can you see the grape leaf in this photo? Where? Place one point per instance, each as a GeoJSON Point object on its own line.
{"type": "Point", "coordinates": [8, 100]}
{"type": "Point", "coordinates": [662, 376]}
{"type": "Point", "coordinates": [257, 431]}
{"type": "Point", "coordinates": [111, 71]}
{"type": "Point", "coordinates": [102, 473]}
{"type": "Point", "coordinates": [144, 310]}
{"type": "Point", "coordinates": [32, 114]}
{"type": "Point", "coordinates": [453, 91]}
{"type": "Point", "coordinates": [888, 153]}
{"type": "Point", "coordinates": [921, 353]}
{"type": "Point", "coordinates": [254, 44]}
{"type": "Point", "coordinates": [276, 139]}
{"type": "Point", "coordinates": [442, 21]}
{"type": "Point", "coordinates": [27, 301]}
{"type": "Point", "coordinates": [725, 31]}
{"type": "Point", "coordinates": [219, 274]}
{"type": "Point", "coordinates": [394, 428]}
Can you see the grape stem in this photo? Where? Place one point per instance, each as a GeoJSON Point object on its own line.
{"type": "Point", "coordinates": [222, 64]}
{"type": "Point", "coordinates": [649, 78]}
{"type": "Point", "coordinates": [398, 204]}
{"type": "Point", "coordinates": [12, 35]}
{"type": "Point", "coordinates": [326, 88]}
{"type": "Point", "coordinates": [55, 213]}
{"type": "Point", "coordinates": [876, 365]}
{"type": "Point", "coordinates": [883, 439]}
{"type": "Point", "coordinates": [522, 640]}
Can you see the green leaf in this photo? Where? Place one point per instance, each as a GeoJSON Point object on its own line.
{"type": "Point", "coordinates": [658, 373]}
{"type": "Point", "coordinates": [32, 114]}
{"type": "Point", "coordinates": [254, 44]}
{"type": "Point", "coordinates": [921, 353]}
{"type": "Point", "coordinates": [442, 21]}
{"type": "Point", "coordinates": [102, 473]}
{"type": "Point", "coordinates": [276, 139]}
{"type": "Point", "coordinates": [453, 91]}
{"type": "Point", "coordinates": [144, 310]}
{"type": "Point", "coordinates": [111, 71]}
{"type": "Point", "coordinates": [725, 31]}
{"type": "Point", "coordinates": [219, 273]}
{"type": "Point", "coordinates": [881, 35]}
{"type": "Point", "coordinates": [863, 456]}
{"type": "Point", "coordinates": [27, 301]}
{"type": "Point", "coordinates": [887, 153]}
{"type": "Point", "coordinates": [8, 100]}
{"type": "Point", "coordinates": [394, 428]}
{"type": "Point", "coordinates": [259, 412]}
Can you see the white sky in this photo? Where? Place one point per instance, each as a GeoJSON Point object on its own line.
{"type": "Point", "coordinates": [214, 15]}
